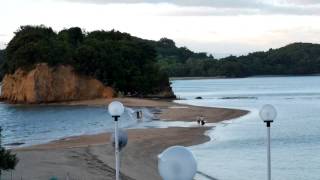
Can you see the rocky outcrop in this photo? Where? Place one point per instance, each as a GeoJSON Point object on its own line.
{"type": "Point", "coordinates": [46, 84]}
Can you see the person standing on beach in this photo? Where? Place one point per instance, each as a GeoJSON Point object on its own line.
{"type": "Point", "coordinates": [202, 122]}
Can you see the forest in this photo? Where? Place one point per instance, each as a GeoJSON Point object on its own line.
{"type": "Point", "coordinates": [129, 63]}
{"type": "Point", "coordinates": [293, 59]}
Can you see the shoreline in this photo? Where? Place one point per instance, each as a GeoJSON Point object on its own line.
{"type": "Point", "coordinates": [253, 76]}
{"type": "Point", "coordinates": [139, 155]}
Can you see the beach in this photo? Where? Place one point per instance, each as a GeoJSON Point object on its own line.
{"type": "Point", "coordinates": [92, 156]}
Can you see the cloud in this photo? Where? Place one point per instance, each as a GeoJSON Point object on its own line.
{"type": "Point", "coordinates": [302, 2]}
{"type": "Point", "coordinates": [213, 11]}
{"type": "Point", "coordinates": [215, 29]}
{"type": "Point", "coordinates": [211, 3]}
{"type": "Point", "coordinates": [207, 3]}
{"type": "Point", "coordinates": [225, 7]}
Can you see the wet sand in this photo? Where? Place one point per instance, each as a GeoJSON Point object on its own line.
{"type": "Point", "coordinates": [92, 156]}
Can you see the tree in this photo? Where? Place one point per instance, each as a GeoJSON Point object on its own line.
{"type": "Point", "coordinates": [165, 42]}
{"type": "Point", "coordinates": [32, 45]}
{"type": "Point", "coordinates": [7, 159]}
{"type": "Point", "coordinates": [73, 36]}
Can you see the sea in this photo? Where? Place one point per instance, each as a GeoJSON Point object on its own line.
{"type": "Point", "coordinates": [237, 150]}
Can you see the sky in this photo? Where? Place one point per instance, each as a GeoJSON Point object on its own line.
{"type": "Point", "coordinates": [219, 27]}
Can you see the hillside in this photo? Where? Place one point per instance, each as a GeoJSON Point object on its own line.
{"type": "Point", "coordinates": [293, 59]}
{"type": "Point", "coordinates": [179, 61]}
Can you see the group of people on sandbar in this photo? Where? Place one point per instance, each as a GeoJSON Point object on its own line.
{"type": "Point", "coordinates": [200, 120]}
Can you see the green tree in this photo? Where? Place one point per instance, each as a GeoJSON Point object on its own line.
{"type": "Point", "coordinates": [34, 44]}
{"type": "Point", "coordinates": [8, 161]}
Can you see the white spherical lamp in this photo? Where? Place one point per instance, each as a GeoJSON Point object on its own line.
{"type": "Point", "coordinates": [268, 113]}
{"type": "Point", "coordinates": [177, 163]}
{"type": "Point", "coordinates": [116, 108]}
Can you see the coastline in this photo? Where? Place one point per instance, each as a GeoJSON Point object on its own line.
{"type": "Point", "coordinates": [92, 155]}
{"type": "Point", "coordinates": [197, 78]}
{"type": "Point", "coordinates": [253, 76]}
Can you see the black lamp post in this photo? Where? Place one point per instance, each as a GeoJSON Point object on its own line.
{"type": "Point", "coordinates": [268, 113]}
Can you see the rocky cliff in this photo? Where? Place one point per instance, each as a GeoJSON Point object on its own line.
{"type": "Point", "coordinates": [46, 84]}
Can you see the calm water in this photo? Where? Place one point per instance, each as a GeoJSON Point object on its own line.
{"type": "Point", "coordinates": [25, 125]}
{"type": "Point", "coordinates": [38, 124]}
{"type": "Point", "coordinates": [238, 149]}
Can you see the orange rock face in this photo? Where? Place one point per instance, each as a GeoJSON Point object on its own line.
{"type": "Point", "coordinates": [51, 84]}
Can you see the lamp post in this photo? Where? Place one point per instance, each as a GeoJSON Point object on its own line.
{"type": "Point", "coordinates": [268, 113]}
{"type": "Point", "coordinates": [116, 109]}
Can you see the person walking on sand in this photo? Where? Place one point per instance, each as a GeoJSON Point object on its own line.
{"type": "Point", "coordinates": [139, 115]}
{"type": "Point", "coordinates": [202, 122]}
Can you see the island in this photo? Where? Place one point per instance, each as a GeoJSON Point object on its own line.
{"type": "Point", "coordinates": [42, 66]}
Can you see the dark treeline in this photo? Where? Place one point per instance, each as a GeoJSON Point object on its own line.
{"type": "Point", "coordinates": [117, 59]}
{"type": "Point", "coordinates": [294, 59]}
{"type": "Point", "coordinates": [2, 56]}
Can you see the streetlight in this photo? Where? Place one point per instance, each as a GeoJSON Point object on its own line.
{"type": "Point", "coordinates": [116, 109]}
{"type": "Point", "coordinates": [268, 113]}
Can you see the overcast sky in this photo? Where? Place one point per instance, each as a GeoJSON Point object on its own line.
{"type": "Point", "coordinates": [220, 27]}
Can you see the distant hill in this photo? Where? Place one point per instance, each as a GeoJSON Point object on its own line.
{"type": "Point", "coordinates": [179, 61]}
{"type": "Point", "coordinates": [293, 59]}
